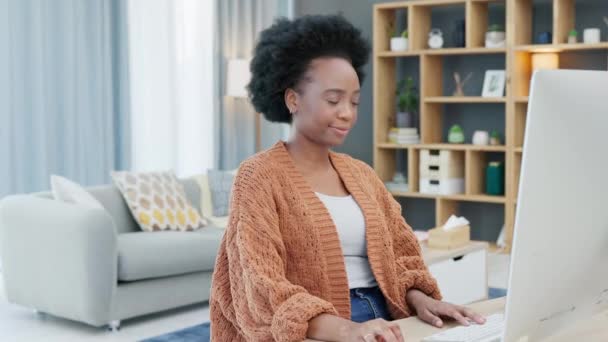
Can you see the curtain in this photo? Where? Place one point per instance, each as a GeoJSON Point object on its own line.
{"type": "Point", "coordinates": [171, 73]}
{"type": "Point", "coordinates": [63, 92]}
{"type": "Point", "coordinates": [239, 23]}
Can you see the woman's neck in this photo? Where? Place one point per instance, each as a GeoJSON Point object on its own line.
{"type": "Point", "coordinates": [309, 156]}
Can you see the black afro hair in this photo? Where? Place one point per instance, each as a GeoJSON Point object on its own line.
{"type": "Point", "coordinates": [285, 50]}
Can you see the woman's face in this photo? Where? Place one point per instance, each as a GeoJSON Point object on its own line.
{"type": "Point", "coordinates": [324, 106]}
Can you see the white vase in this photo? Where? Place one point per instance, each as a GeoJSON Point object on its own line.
{"type": "Point", "coordinates": [591, 35]}
{"type": "Point", "coordinates": [481, 138]}
{"type": "Point", "coordinates": [399, 44]}
{"type": "Point", "coordinates": [495, 39]}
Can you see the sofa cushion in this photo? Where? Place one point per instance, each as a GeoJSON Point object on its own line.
{"type": "Point", "coordinates": [220, 184]}
{"type": "Point", "coordinates": [158, 201]}
{"type": "Point", "coordinates": [143, 255]}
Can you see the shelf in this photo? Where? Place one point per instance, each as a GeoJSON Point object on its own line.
{"type": "Point", "coordinates": [442, 52]}
{"type": "Point", "coordinates": [519, 150]}
{"type": "Point", "coordinates": [464, 99]}
{"type": "Point", "coordinates": [465, 51]}
{"type": "Point", "coordinates": [406, 53]}
{"type": "Point", "coordinates": [521, 99]}
{"type": "Point", "coordinates": [432, 3]}
{"type": "Point", "coordinates": [461, 197]}
{"type": "Point", "coordinates": [423, 3]}
{"type": "Point", "coordinates": [561, 47]}
{"type": "Point", "coordinates": [454, 147]}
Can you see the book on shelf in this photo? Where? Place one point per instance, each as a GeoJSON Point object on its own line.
{"type": "Point", "coordinates": [408, 135]}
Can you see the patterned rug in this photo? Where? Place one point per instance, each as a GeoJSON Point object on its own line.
{"type": "Point", "coordinates": [197, 333]}
{"type": "Point", "coordinates": [200, 333]}
{"type": "Point", "coordinates": [495, 292]}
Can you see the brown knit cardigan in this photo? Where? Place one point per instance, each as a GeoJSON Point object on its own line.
{"type": "Point", "coordinates": [280, 262]}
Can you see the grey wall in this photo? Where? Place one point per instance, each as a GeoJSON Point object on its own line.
{"type": "Point", "coordinates": [487, 219]}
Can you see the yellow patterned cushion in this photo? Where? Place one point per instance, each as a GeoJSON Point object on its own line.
{"type": "Point", "coordinates": [158, 201]}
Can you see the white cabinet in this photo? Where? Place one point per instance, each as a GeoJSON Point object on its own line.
{"type": "Point", "coordinates": [461, 274]}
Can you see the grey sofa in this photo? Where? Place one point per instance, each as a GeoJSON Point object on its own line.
{"type": "Point", "coordinates": [96, 266]}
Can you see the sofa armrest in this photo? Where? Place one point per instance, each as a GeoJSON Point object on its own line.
{"type": "Point", "coordinates": [59, 258]}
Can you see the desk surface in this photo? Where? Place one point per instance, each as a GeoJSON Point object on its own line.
{"type": "Point", "coordinates": [432, 255]}
{"type": "Point", "coordinates": [592, 330]}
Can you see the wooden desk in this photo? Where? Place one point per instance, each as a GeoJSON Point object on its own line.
{"type": "Point", "coordinates": [592, 330]}
{"type": "Point", "coordinates": [433, 256]}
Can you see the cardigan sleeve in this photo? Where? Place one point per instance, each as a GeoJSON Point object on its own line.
{"type": "Point", "coordinates": [267, 305]}
{"type": "Point", "coordinates": [412, 271]}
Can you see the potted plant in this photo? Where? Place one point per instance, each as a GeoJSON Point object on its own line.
{"type": "Point", "coordinates": [407, 103]}
{"type": "Point", "coordinates": [495, 37]}
{"type": "Point", "coordinates": [572, 36]}
{"type": "Point", "coordinates": [400, 43]}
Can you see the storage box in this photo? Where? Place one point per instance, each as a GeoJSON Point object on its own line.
{"type": "Point", "coordinates": [450, 162]}
{"type": "Point", "coordinates": [441, 172]}
{"type": "Point", "coordinates": [449, 239]}
{"type": "Point", "coordinates": [446, 186]}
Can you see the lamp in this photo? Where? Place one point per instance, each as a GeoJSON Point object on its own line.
{"type": "Point", "coordinates": [237, 78]}
{"type": "Point", "coordinates": [545, 60]}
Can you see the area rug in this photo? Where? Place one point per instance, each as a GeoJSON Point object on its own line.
{"type": "Point", "coordinates": [495, 292]}
{"type": "Point", "coordinates": [197, 333]}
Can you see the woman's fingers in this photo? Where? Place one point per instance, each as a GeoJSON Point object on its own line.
{"type": "Point", "coordinates": [397, 332]}
{"type": "Point", "coordinates": [455, 314]}
{"type": "Point", "coordinates": [430, 318]}
{"type": "Point", "coordinates": [477, 318]}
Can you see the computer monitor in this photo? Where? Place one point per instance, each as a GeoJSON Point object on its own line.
{"type": "Point", "coordinates": [559, 260]}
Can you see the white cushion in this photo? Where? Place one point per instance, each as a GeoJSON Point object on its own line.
{"type": "Point", "coordinates": [65, 190]}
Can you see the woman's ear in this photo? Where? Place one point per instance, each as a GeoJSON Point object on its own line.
{"type": "Point", "coordinates": [291, 100]}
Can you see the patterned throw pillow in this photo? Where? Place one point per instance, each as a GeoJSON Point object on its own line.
{"type": "Point", "coordinates": [220, 184]}
{"type": "Point", "coordinates": [157, 201]}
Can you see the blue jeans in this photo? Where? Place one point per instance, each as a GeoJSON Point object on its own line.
{"type": "Point", "coordinates": [367, 304]}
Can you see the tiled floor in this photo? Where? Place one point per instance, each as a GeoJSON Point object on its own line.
{"type": "Point", "coordinates": [21, 324]}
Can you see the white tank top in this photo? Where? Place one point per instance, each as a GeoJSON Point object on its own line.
{"type": "Point", "coordinates": [350, 223]}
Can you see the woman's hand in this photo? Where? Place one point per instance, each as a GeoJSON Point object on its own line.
{"type": "Point", "coordinates": [431, 310]}
{"type": "Point", "coordinates": [375, 330]}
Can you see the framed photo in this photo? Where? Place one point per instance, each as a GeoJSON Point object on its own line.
{"type": "Point", "coordinates": [494, 83]}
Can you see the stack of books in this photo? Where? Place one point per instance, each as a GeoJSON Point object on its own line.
{"type": "Point", "coordinates": [404, 136]}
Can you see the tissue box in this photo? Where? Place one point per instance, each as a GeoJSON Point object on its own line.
{"type": "Point", "coordinates": [449, 239]}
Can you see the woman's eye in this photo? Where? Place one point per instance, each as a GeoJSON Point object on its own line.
{"type": "Point", "coordinates": [355, 103]}
{"type": "Point", "coordinates": [332, 102]}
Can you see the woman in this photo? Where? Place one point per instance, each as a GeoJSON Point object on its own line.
{"type": "Point", "coordinates": [315, 246]}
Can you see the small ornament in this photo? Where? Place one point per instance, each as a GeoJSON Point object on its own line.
{"type": "Point", "coordinates": [435, 39]}
{"type": "Point", "coordinates": [459, 84]}
{"type": "Point", "coordinates": [456, 135]}
{"type": "Point", "coordinates": [481, 138]}
{"type": "Point", "coordinates": [572, 36]}
{"type": "Point", "coordinates": [495, 138]}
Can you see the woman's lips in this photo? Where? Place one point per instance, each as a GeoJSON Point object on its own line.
{"type": "Point", "coordinates": [340, 131]}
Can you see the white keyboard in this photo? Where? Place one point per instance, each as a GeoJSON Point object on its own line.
{"type": "Point", "coordinates": [489, 332]}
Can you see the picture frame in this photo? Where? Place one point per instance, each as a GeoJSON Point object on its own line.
{"type": "Point", "coordinates": [494, 83]}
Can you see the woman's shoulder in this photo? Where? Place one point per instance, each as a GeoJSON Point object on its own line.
{"type": "Point", "coordinates": [261, 168]}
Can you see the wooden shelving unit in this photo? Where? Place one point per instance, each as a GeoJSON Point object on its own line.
{"type": "Point", "coordinates": [518, 66]}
